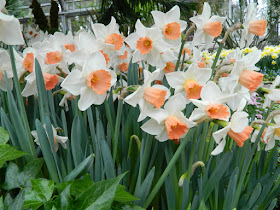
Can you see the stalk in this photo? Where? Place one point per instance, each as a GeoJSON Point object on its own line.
{"type": "Point", "coordinates": [168, 169]}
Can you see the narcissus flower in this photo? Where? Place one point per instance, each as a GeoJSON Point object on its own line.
{"type": "Point", "coordinates": [272, 133]}
{"type": "Point", "coordinates": [57, 139]}
{"type": "Point", "coordinates": [148, 97]}
{"type": "Point", "coordinates": [252, 26]}
{"type": "Point", "coordinates": [10, 31]}
{"type": "Point", "coordinates": [148, 44]}
{"type": "Point", "coordinates": [170, 122]}
{"type": "Point", "coordinates": [273, 94]}
{"type": "Point", "coordinates": [92, 83]}
{"type": "Point", "coordinates": [237, 129]}
{"type": "Point", "coordinates": [212, 104]}
{"type": "Point", "coordinates": [207, 28]}
{"type": "Point", "coordinates": [190, 82]}
{"type": "Point", "coordinates": [108, 37]}
{"type": "Point", "coordinates": [170, 24]}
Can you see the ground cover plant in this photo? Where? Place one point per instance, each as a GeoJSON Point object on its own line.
{"type": "Point", "coordinates": [103, 121]}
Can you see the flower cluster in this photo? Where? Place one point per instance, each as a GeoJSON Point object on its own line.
{"type": "Point", "coordinates": [96, 60]}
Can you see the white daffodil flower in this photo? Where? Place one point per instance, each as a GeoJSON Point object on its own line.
{"type": "Point", "coordinates": [170, 122]}
{"type": "Point", "coordinates": [212, 104]}
{"type": "Point", "coordinates": [10, 31]}
{"type": "Point", "coordinates": [207, 28]}
{"type": "Point", "coordinates": [190, 82]}
{"type": "Point", "coordinates": [148, 97]}
{"type": "Point", "coordinates": [57, 139]}
{"type": "Point", "coordinates": [170, 25]}
{"type": "Point", "coordinates": [148, 45]}
{"type": "Point", "coordinates": [252, 26]}
{"type": "Point", "coordinates": [92, 83]}
{"type": "Point", "coordinates": [237, 129]}
{"type": "Point", "coordinates": [272, 93]}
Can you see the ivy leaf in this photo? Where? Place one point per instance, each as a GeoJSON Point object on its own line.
{"type": "Point", "coordinates": [8, 153]}
{"type": "Point", "coordinates": [4, 136]}
{"type": "Point", "coordinates": [123, 196]}
{"type": "Point", "coordinates": [42, 190]}
{"type": "Point", "coordinates": [99, 196]}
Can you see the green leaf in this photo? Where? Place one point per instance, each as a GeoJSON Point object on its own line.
{"type": "Point", "coordinates": [78, 170]}
{"type": "Point", "coordinates": [229, 198]}
{"type": "Point", "coordinates": [42, 190]}
{"type": "Point", "coordinates": [1, 203]}
{"type": "Point", "coordinates": [254, 196]}
{"type": "Point", "coordinates": [18, 201]}
{"type": "Point", "coordinates": [217, 174]}
{"type": "Point", "coordinates": [4, 136]}
{"type": "Point", "coordinates": [8, 153]}
{"type": "Point", "coordinates": [123, 196]}
{"type": "Point", "coordinates": [125, 206]}
{"type": "Point", "coordinates": [100, 195]}
{"type": "Point", "coordinates": [15, 178]}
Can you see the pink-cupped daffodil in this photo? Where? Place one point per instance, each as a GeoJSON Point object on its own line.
{"type": "Point", "coordinates": [273, 94]}
{"type": "Point", "coordinates": [212, 104]}
{"type": "Point", "coordinates": [237, 129]}
{"type": "Point", "coordinates": [108, 37]}
{"type": "Point", "coordinates": [149, 97]}
{"type": "Point", "coordinates": [10, 31]}
{"type": "Point", "coordinates": [170, 122]}
{"type": "Point", "coordinates": [170, 24]}
{"type": "Point", "coordinates": [244, 72]}
{"type": "Point", "coordinates": [252, 26]}
{"type": "Point", "coordinates": [147, 44]}
{"type": "Point", "coordinates": [190, 82]}
{"type": "Point", "coordinates": [208, 27]}
{"type": "Point", "coordinates": [92, 83]}
{"type": "Point", "coordinates": [57, 139]}
{"type": "Point", "coordinates": [272, 133]}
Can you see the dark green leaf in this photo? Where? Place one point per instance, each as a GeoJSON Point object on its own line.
{"type": "Point", "coordinates": [77, 170]}
{"type": "Point", "coordinates": [42, 190]}
{"type": "Point", "coordinates": [13, 178]}
{"type": "Point", "coordinates": [123, 196]}
{"type": "Point", "coordinates": [8, 153]}
{"type": "Point", "coordinates": [100, 195]}
{"type": "Point", "coordinates": [18, 201]}
{"type": "Point", "coordinates": [4, 136]}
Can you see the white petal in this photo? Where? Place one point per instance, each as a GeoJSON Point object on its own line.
{"type": "Point", "coordinates": [176, 80]}
{"type": "Point", "coordinates": [175, 103]}
{"type": "Point", "coordinates": [72, 83]}
{"type": "Point", "coordinates": [10, 31]}
{"type": "Point", "coordinates": [152, 127]}
{"type": "Point", "coordinates": [221, 134]}
{"type": "Point", "coordinates": [239, 121]}
{"type": "Point", "coordinates": [210, 92]}
{"type": "Point", "coordinates": [206, 10]}
{"type": "Point", "coordinates": [95, 61]}
{"type": "Point", "coordinates": [219, 148]}
{"type": "Point", "coordinates": [134, 98]}
{"type": "Point", "coordinates": [159, 115]}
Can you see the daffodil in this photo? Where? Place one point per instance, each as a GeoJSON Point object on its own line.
{"type": "Point", "coordinates": [207, 27]}
{"type": "Point", "coordinates": [273, 94]}
{"type": "Point", "coordinates": [252, 26]}
{"type": "Point", "coordinates": [92, 83]}
{"type": "Point", "coordinates": [147, 96]}
{"type": "Point", "coordinates": [148, 45]}
{"type": "Point", "coordinates": [170, 122]}
{"type": "Point", "coordinates": [170, 24]}
{"type": "Point", "coordinates": [10, 31]}
{"type": "Point", "coordinates": [237, 129]}
{"type": "Point", "coordinates": [57, 139]}
{"type": "Point", "coordinates": [212, 104]}
{"type": "Point", "coordinates": [190, 82]}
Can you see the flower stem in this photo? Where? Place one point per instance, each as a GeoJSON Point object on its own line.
{"type": "Point", "coordinates": [168, 169]}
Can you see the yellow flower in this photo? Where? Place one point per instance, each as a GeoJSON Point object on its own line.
{"type": "Point", "coordinates": [273, 56]}
{"type": "Point", "coordinates": [273, 62]}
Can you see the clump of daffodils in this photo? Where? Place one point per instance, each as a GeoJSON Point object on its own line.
{"type": "Point", "coordinates": [100, 64]}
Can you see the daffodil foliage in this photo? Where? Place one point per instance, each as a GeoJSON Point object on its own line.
{"type": "Point", "coordinates": [150, 104]}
